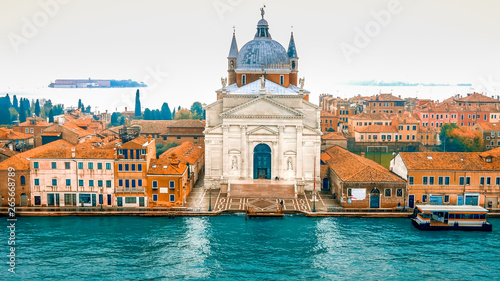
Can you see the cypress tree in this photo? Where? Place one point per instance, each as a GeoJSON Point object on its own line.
{"type": "Point", "coordinates": [22, 112]}
{"type": "Point", "coordinates": [137, 104]}
{"type": "Point", "coordinates": [15, 103]}
{"type": "Point", "coordinates": [147, 114]}
{"type": "Point", "coordinates": [166, 114]}
{"type": "Point", "coordinates": [51, 116]}
{"type": "Point", "coordinates": [37, 108]}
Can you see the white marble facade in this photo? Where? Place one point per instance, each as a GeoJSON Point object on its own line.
{"type": "Point", "coordinates": [283, 120]}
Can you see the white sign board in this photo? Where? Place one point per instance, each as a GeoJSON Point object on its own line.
{"type": "Point", "coordinates": [358, 193]}
{"type": "Point", "coordinates": [163, 189]}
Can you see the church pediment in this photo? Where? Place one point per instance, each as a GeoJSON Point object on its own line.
{"type": "Point", "coordinates": [262, 130]}
{"type": "Point", "coordinates": [217, 130]}
{"type": "Point", "coordinates": [262, 107]}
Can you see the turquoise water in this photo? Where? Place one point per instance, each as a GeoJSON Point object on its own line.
{"type": "Point", "coordinates": [230, 248]}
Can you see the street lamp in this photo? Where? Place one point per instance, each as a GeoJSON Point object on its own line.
{"type": "Point", "coordinates": [210, 199]}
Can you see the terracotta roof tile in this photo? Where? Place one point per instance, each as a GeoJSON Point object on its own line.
{"type": "Point", "coordinates": [477, 97]}
{"type": "Point", "coordinates": [8, 134]}
{"type": "Point", "coordinates": [455, 161]}
{"type": "Point", "coordinates": [354, 168]}
{"type": "Point", "coordinates": [20, 161]}
{"type": "Point", "coordinates": [186, 152]}
{"type": "Point", "coordinates": [384, 97]}
{"type": "Point", "coordinates": [333, 136]}
{"type": "Point", "coordinates": [376, 129]}
{"type": "Point", "coordinates": [327, 114]}
{"type": "Point", "coordinates": [489, 126]}
{"type": "Point", "coordinates": [166, 166]}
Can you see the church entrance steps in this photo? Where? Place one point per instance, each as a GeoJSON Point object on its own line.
{"type": "Point", "coordinates": [262, 189]}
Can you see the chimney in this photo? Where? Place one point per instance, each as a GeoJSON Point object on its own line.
{"type": "Point", "coordinates": [73, 152]}
{"type": "Point", "coordinates": [150, 138]}
{"type": "Point", "coordinates": [125, 109]}
{"type": "Point", "coordinates": [362, 154]}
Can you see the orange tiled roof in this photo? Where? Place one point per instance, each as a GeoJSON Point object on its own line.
{"type": "Point", "coordinates": [166, 166]}
{"type": "Point", "coordinates": [135, 143]}
{"type": "Point", "coordinates": [85, 150]}
{"type": "Point", "coordinates": [489, 126]}
{"type": "Point", "coordinates": [350, 167]}
{"type": "Point", "coordinates": [407, 118]}
{"type": "Point", "coordinates": [477, 97]}
{"type": "Point", "coordinates": [327, 114]}
{"type": "Point", "coordinates": [376, 129]}
{"type": "Point", "coordinates": [52, 134]}
{"type": "Point", "coordinates": [6, 151]}
{"type": "Point", "coordinates": [373, 116]}
{"type": "Point", "coordinates": [455, 161]}
{"type": "Point", "coordinates": [20, 161]}
{"type": "Point", "coordinates": [76, 129]}
{"type": "Point", "coordinates": [38, 122]}
{"type": "Point", "coordinates": [384, 97]}
{"type": "Point", "coordinates": [151, 126]}
{"type": "Point", "coordinates": [333, 136]}
{"type": "Point", "coordinates": [186, 152]}
{"type": "Point", "coordinates": [8, 134]}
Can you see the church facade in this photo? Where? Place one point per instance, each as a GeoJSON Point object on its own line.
{"type": "Point", "coordinates": [262, 125]}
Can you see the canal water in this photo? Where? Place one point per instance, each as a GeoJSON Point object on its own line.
{"type": "Point", "coordinates": [230, 248]}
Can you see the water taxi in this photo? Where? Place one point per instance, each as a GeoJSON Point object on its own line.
{"type": "Point", "coordinates": [439, 217]}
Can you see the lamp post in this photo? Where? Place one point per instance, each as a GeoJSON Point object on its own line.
{"type": "Point", "coordinates": [210, 199]}
{"type": "Point", "coordinates": [314, 185]}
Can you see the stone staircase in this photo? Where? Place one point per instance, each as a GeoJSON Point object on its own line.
{"type": "Point", "coordinates": [262, 189]}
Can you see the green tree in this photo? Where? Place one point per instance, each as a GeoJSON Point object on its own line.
{"type": "Point", "coordinates": [160, 149]}
{"type": "Point", "coordinates": [37, 108]}
{"type": "Point", "coordinates": [197, 108]}
{"type": "Point", "coordinates": [13, 114]}
{"type": "Point", "coordinates": [147, 114]}
{"type": "Point", "coordinates": [80, 104]}
{"type": "Point", "coordinates": [166, 114]}
{"type": "Point", "coordinates": [51, 116]}
{"type": "Point", "coordinates": [22, 112]}
{"type": "Point", "coordinates": [137, 104]}
{"type": "Point", "coordinates": [460, 139]}
{"type": "Point", "coordinates": [114, 119]}
{"type": "Point", "coordinates": [173, 113]}
{"type": "Point", "coordinates": [15, 103]}
{"type": "Point", "coordinates": [183, 114]}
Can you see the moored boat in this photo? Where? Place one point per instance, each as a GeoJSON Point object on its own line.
{"type": "Point", "coordinates": [439, 217]}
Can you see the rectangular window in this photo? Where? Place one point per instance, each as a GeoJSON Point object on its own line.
{"type": "Point", "coordinates": [27, 131]}
{"type": "Point", "coordinates": [440, 180]}
{"type": "Point", "coordinates": [467, 180]}
{"type": "Point", "coordinates": [132, 166]}
{"type": "Point", "coordinates": [387, 192]}
{"type": "Point", "coordinates": [99, 166]}
{"type": "Point", "coordinates": [120, 152]}
{"type": "Point", "coordinates": [172, 197]}
{"type": "Point", "coordinates": [424, 198]}
{"type": "Point", "coordinates": [68, 182]}
{"type": "Point", "coordinates": [80, 165]}
{"type": "Point", "coordinates": [139, 183]}
{"type": "Point", "coordinates": [120, 167]}
{"type": "Point", "coordinates": [67, 165]}
{"type": "Point", "coordinates": [127, 183]}
{"type": "Point", "coordinates": [91, 183]}
{"type": "Point", "coordinates": [139, 167]}
{"type": "Point", "coordinates": [410, 180]}
{"type": "Point", "coordinates": [133, 183]}
{"type": "Point", "coordinates": [446, 180]}
{"type": "Point", "coordinates": [127, 168]}
{"type": "Point", "coordinates": [172, 184]}
{"type": "Point", "coordinates": [282, 79]}
{"type": "Point", "coordinates": [54, 165]}
{"type": "Point", "coordinates": [447, 198]}
{"type": "Point", "coordinates": [130, 200]}
{"type": "Point", "coordinates": [399, 192]}
{"type": "Point", "coordinates": [80, 182]}
{"type": "Point", "coordinates": [488, 181]}
{"type": "Point", "coordinates": [91, 165]}
{"type": "Point", "coordinates": [108, 183]}
{"type": "Point", "coordinates": [143, 151]}
{"type": "Point", "coordinates": [37, 181]}
{"type": "Point", "coordinates": [54, 182]}
{"type": "Point", "coordinates": [108, 166]}
{"type": "Point", "coordinates": [431, 180]}
{"type": "Point", "coordinates": [481, 181]}
{"type": "Point", "coordinates": [99, 183]}
{"type": "Point", "coordinates": [155, 197]}
{"type": "Point", "coordinates": [425, 180]}
{"type": "Point", "coordinates": [497, 181]}
{"type": "Point", "coordinates": [155, 184]}
{"type": "Point", "coordinates": [243, 79]}
{"type": "Point", "coordinates": [120, 182]}
{"type": "Point", "coordinates": [35, 165]}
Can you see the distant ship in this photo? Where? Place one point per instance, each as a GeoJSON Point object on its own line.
{"type": "Point", "coordinates": [95, 83]}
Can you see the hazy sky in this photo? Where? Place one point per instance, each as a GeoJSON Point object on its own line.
{"type": "Point", "coordinates": [426, 41]}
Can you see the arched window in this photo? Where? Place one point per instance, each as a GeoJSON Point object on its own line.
{"type": "Point", "coordinates": [23, 180]}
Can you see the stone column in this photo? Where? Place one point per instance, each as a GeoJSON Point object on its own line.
{"type": "Point", "coordinates": [281, 144]}
{"type": "Point", "coordinates": [250, 160]}
{"type": "Point", "coordinates": [244, 148]}
{"type": "Point", "coordinates": [299, 161]}
{"type": "Point", "coordinates": [225, 151]}
{"type": "Point", "coordinates": [274, 156]}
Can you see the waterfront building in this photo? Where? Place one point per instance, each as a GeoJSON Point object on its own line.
{"type": "Point", "coordinates": [357, 182]}
{"type": "Point", "coordinates": [67, 175]}
{"type": "Point", "coordinates": [131, 167]}
{"type": "Point", "coordinates": [20, 163]}
{"type": "Point", "coordinates": [191, 155]}
{"type": "Point", "coordinates": [454, 178]}
{"type": "Point", "coordinates": [34, 126]}
{"type": "Point", "coordinates": [168, 184]}
{"type": "Point", "coordinates": [490, 133]}
{"type": "Point", "coordinates": [262, 125]}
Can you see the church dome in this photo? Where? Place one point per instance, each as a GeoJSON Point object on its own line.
{"type": "Point", "coordinates": [261, 52]}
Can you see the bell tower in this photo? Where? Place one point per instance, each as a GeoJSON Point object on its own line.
{"type": "Point", "coordinates": [294, 60]}
{"type": "Point", "coordinates": [231, 60]}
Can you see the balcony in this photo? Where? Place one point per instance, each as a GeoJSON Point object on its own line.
{"type": "Point", "coordinates": [130, 190]}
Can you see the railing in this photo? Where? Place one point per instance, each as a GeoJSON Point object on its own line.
{"type": "Point", "coordinates": [130, 190]}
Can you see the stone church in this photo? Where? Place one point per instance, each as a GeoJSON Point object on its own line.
{"type": "Point", "coordinates": [262, 126]}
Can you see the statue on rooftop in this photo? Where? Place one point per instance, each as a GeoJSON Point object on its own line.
{"type": "Point", "coordinates": [301, 82]}
{"type": "Point", "coordinates": [224, 83]}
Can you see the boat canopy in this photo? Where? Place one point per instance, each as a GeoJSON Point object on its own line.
{"type": "Point", "coordinates": [451, 208]}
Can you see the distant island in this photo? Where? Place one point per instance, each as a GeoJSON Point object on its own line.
{"type": "Point", "coordinates": [399, 83]}
{"type": "Point", "coordinates": [95, 83]}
